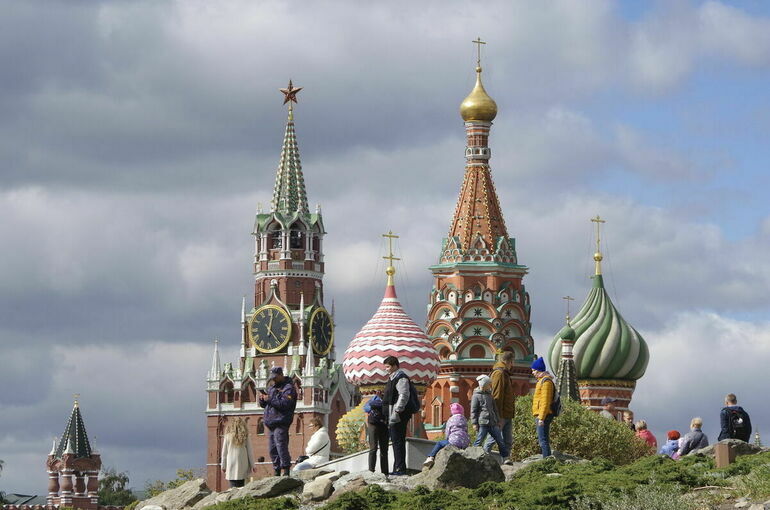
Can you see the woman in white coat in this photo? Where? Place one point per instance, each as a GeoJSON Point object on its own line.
{"type": "Point", "coordinates": [317, 449]}
{"type": "Point", "coordinates": [237, 460]}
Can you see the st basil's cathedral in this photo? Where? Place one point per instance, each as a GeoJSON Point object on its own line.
{"type": "Point", "coordinates": [478, 308]}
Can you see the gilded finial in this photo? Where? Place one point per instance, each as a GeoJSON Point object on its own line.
{"type": "Point", "coordinates": [390, 270]}
{"type": "Point", "coordinates": [568, 299]}
{"type": "Point", "coordinates": [478, 106]}
{"type": "Point", "coordinates": [76, 397]}
{"type": "Point", "coordinates": [598, 255]}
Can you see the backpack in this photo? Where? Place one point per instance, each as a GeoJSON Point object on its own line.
{"type": "Point", "coordinates": [376, 416]}
{"type": "Point", "coordinates": [556, 402]}
{"type": "Point", "coordinates": [413, 404]}
{"type": "Point", "coordinates": [739, 424]}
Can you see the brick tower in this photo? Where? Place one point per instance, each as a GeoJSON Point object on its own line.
{"type": "Point", "coordinates": [288, 325]}
{"type": "Point", "coordinates": [478, 305]}
{"type": "Point", "coordinates": [73, 467]}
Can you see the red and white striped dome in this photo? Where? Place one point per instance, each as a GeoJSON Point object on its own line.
{"type": "Point", "coordinates": [390, 332]}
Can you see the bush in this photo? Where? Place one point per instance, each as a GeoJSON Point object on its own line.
{"type": "Point", "coordinates": [643, 497]}
{"type": "Point", "coordinates": [756, 484]}
{"type": "Point", "coordinates": [113, 488]}
{"type": "Point", "coordinates": [577, 431]}
{"type": "Point", "coordinates": [284, 503]}
{"type": "Point", "coordinates": [158, 486]}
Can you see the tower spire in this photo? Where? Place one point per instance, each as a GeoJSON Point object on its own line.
{"type": "Point", "coordinates": [289, 194]}
{"type": "Point", "coordinates": [598, 255]}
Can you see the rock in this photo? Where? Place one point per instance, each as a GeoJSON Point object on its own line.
{"type": "Point", "coordinates": [317, 490]}
{"type": "Point", "coordinates": [742, 504]}
{"type": "Point", "coordinates": [355, 484]}
{"type": "Point", "coordinates": [367, 476]}
{"type": "Point", "coordinates": [740, 447]}
{"type": "Point", "coordinates": [184, 496]}
{"type": "Point", "coordinates": [153, 507]}
{"type": "Point", "coordinates": [310, 474]}
{"type": "Point", "coordinates": [333, 477]}
{"type": "Point", "coordinates": [510, 470]}
{"type": "Point", "coordinates": [269, 487]}
{"type": "Point", "coordinates": [759, 506]}
{"type": "Point", "coordinates": [561, 457]}
{"type": "Point", "coordinates": [460, 468]}
{"type": "Point", "coordinates": [553, 475]}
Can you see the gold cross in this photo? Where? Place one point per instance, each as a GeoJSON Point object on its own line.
{"type": "Point", "coordinates": [478, 42]}
{"type": "Point", "coordinates": [598, 222]}
{"type": "Point", "coordinates": [568, 299]}
{"type": "Point", "coordinates": [390, 258]}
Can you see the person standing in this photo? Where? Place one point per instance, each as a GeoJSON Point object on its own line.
{"type": "Point", "coordinates": [377, 432]}
{"type": "Point", "coordinates": [279, 402]}
{"type": "Point", "coordinates": [505, 398]}
{"type": "Point", "coordinates": [318, 447]}
{"type": "Point", "coordinates": [237, 459]}
{"type": "Point", "coordinates": [734, 421]}
{"type": "Point", "coordinates": [695, 439]}
{"type": "Point", "coordinates": [396, 398]}
{"type": "Point", "coordinates": [485, 417]}
{"type": "Point", "coordinates": [541, 404]}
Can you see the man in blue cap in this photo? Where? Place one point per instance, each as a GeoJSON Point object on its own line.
{"type": "Point", "coordinates": [279, 403]}
{"type": "Point", "coordinates": [545, 390]}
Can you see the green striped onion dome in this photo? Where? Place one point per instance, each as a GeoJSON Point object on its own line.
{"type": "Point", "coordinates": [606, 346]}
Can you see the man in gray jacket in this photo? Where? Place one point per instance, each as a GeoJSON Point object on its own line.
{"type": "Point", "coordinates": [485, 418]}
{"type": "Point", "coordinates": [396, 397]}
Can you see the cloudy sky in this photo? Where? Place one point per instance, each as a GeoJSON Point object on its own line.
{"type": "Point", "coordinates": [137, 138]}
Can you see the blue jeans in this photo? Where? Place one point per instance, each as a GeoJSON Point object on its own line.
{"type": "Point", "coordinates": [439, 445]}
{"type": "Point", "coordinates": [543, 438]}
{"type": "Point", "coordinates": [494, 431]}
{"type": "Point", "coordinates": [507, 432]}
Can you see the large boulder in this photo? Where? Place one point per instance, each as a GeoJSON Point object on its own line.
{"type": "Point", "coordinates": [460, 468]}
{"type": "Point", "coordinates": [184, 496]}
{"type": "Point", "coordinates": [269, 487]}
{"type": "Point", "coordinates": [740, 447]}
{"type": "Point", "coordinates": [355, 484]}
{"type": "Point", "coordinates": [317, 490]}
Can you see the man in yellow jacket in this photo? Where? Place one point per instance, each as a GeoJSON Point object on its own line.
{"type": "Point", "coordinates": [541, 404]}
{"type": "Point", "coordinates": [505, 397]}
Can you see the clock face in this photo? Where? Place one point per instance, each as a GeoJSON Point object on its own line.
{"type": "Point", "coordinates": [270, 328]}
{"type": "Point", "coordinates": [321, 331]}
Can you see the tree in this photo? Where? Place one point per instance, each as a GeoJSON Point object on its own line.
{"type": "Point", "coordinates": [113, 488]}
{"type": "Point", "coordinates": [158, 486]}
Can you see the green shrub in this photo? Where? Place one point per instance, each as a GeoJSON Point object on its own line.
{"type": "Point", "coordinates": [284, 503]}
{"type": "Point", "coordinates": [643, 497]}
{"type": "Point", "coordinates": [131, 505]}
{"type": "Point", "coordinates": [577, 431]}
{"type": "Point", "coordinates": [755, 484]}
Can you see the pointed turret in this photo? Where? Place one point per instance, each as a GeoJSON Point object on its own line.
{"type": "Point", "coordinates": [74, 440]}
{"type": "Point", "coordinates": [216, 367]}
{"type": "Point", "coordinates": [289, 194]}
{"type": "Point", "coordinates": [566, 375]}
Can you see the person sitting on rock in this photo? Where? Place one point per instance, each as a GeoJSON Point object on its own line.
{"type": "Point", "coordinates": [318, 447]}
{"type": "Point", "coordinates": [643, 433]}
{"type": "Point", "coordinates": [671, 446]}
{"type": "Point", "coordinates": [377, 433]}
{"type": "Point", "coordinates": [456, 432]}
{"type": "Point", "coordinates": [735, 423]}
{"type": "Point", "coordinates": [541, 405]}
{"type": "Point", "coordinates": [695, 439]}
{"type": "Point", "coordinates": [485, 417]}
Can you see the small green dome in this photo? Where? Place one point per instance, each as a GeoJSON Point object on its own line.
{"type": "Point", "coordinates": [606, 346]}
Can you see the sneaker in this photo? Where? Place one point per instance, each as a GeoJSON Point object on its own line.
{"type": "Point", "coordinates": [428, 463]}
{"type": "Point", "coordinates": [508, 462]}
{"type": "Point", "coordinates": [398, 473]}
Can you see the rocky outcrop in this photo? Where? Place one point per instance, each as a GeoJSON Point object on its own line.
{"type": "Point", "coordinates": [460, 468]}
{"type": "Point", "coordinates": [560, 457]}
{"type": "Point", "coordinates": [353, 485]}
{"type": "Point", "coordinates": [740, 448]}
{"type": "Point", "coordinates": [269, 487]}
{"type": "Point", "coordinates": [184, 496]}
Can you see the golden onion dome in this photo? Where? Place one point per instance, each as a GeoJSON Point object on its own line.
{"type": "Point", "coordinates": [478, 105]}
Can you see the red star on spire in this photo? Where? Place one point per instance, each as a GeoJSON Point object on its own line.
{"type": "Point", "coordinates": [290, 93]}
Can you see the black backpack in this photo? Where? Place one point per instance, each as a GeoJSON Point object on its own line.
{"type": "Point", "coordinates": [739, 424]}
{"type": "Point", "coordinates": [556, 402]}
{"type": "Point", "coordinates": [413, 404]}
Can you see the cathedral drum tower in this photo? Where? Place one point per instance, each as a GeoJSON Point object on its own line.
{"type": "Point", "coordinates": [478, 306]}
{"type": "Point", "coordinates": [609, 354]}
{"type": "Point", "coordinates": [288, 325]}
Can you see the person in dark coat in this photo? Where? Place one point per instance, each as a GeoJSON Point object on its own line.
{"type": "Point", "coordinates": [279, 402]}
{"type": "Point", "coordinates": [734, 421]}
{"type": "Point", "coordinates": [377, 432]}
{"type": "Point", "coordinates": [396, 398]}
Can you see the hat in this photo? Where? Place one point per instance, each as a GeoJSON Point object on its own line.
{"type": "Point", "coordinates": [539, 364]}
{"type": "Point", "coordinates": [483, 380]}
{"type": "Point", "coordinates": [275, 371]}
{"type": "Point", "coordinates": [608, 400]}
{"type": "Point", "coordinates": [456, 408]}
{"type": "Point", "coordinates": [673, 434]}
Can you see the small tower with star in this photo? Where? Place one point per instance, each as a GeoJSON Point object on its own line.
{"type": "Point", "coordinates": [285, 325]}
{"type": "Point", "coordinates": [73, 467]}
{"type": "Point", "coordinates": [478, 306]}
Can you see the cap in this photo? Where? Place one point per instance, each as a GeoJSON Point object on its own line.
{"type": "Point", "coordinates": [483, 380]}
{"type": "Point", "coordinates": [275, 371]}
{"type": "Point", "coordinates": [608, 400]}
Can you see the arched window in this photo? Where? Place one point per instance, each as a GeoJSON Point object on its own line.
{"type": "Point", "coordinates": [477, 351]}
{"type": "Point", "coordinates": [296, 240]}
{"type": "Point", "coordinates": [436, 417]}
{"type": "Point", "coordinates": [226, 394]}
{"type": "Point", "coordinates": [249, 392]}
{"type": "Point", "coordinates": [444, 353]}
{"type": "Point", "coordinates": [277, 239]}
{"type": "Point", "coordinates": [260, 427]}
{"type": "Point", "coordinates": [298, 425]}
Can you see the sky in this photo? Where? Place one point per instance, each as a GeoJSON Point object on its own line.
{"type": "Point", "coordinates": [138, 138]}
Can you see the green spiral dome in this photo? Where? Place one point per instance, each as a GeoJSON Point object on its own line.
{"type": "Point", "coordinates": [606, 346]}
